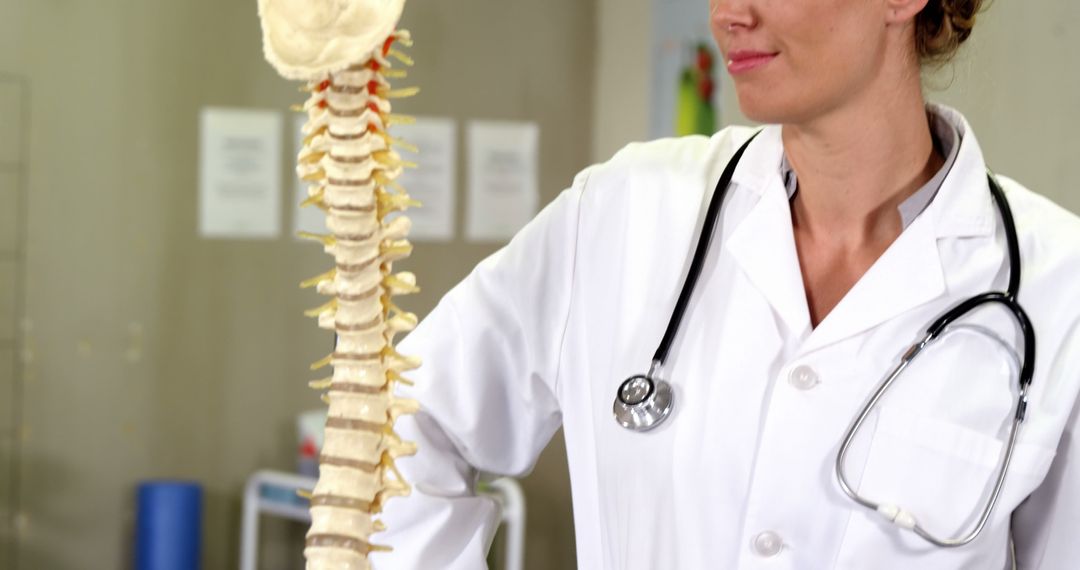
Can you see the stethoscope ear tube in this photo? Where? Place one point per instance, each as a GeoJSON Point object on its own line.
{"type": "Point", "coordinates": [1008, 299]}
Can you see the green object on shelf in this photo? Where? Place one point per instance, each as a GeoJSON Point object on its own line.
{"type": "Point", "coordinates": [686, 114]}
{"type": "Point", "coordinates": [695, 113]}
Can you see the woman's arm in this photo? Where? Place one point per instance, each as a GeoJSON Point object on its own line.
{"type": "Point", "coordinates": [487, 393]}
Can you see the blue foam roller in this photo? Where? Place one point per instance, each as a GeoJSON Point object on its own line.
{"type": "Point", "coordinates": [168, 526]}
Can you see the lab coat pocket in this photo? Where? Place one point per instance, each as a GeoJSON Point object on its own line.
{"type": "Point", "coordinates": [943, 474]}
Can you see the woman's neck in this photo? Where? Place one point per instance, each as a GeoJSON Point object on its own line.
{"type": "Point", "coordinates": [855, 167]}
{"type": "Point", "coordinates": [857, 164]}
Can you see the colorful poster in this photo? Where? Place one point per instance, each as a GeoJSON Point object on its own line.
{"type": "Point", "coordinates": [685, 79]}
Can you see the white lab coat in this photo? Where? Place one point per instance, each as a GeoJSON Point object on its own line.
{"type": "Point", "coordinates": [542, 333]}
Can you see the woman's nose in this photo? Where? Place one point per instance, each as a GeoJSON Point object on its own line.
{"type": "Point", "coordinates": [731, 15]}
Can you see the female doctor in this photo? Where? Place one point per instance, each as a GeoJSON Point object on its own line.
{"type": "Point", "coordinates": [752, 438]}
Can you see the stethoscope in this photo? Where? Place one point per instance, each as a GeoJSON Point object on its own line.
{"type": "Point", "coordinates": [644, 401]}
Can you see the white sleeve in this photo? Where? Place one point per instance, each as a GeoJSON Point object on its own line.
{"type": "Point", "coordinates": [1046, 526]}
{"type": "Point", "coordinates": [487, 392]}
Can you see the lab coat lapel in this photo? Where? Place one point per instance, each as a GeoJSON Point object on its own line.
{"type": "Point", "coordinates": [763, 244]}
{"type": "Point", "coordinates": [910, 272]}
{"type": "Point", "coordinates": [906, 276]}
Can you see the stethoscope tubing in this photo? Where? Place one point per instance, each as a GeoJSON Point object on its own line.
{"type": "Point", "coordinates": [647, 414]}
{"type": "Point", "coordinates": [934, 332]}
{"type": "Point", "coordinates": [894, 513]}
{"type": "Point", "coordinates": [701, 251]}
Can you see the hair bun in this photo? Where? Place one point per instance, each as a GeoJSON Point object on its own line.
{"type": "Point", "coordinates": [961, 15]}
{"type": "Point", "coordinates": [942, 26]}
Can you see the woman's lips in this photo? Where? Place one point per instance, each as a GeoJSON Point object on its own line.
{"type": "Point", "coordinates": [743, 61]}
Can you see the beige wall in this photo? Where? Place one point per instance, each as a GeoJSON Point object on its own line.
{"type": "Point", "coordinates": [12, 196]}
{"type": "Point", "coordinates": [621, 96]}
{"type": "Point", "coordinates": [1019, 85]}
{"type": "Point", "coordinates": [158, 354]}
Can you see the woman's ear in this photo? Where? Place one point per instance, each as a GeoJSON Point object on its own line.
{"type": "Point", "coordinates": [903, 11]}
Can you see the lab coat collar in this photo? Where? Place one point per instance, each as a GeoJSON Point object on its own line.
{"type": "Point", "coordinates": [907, 275]}
{"type": "Point", "coordinates": [962, 207]}
{"type": "Point", "coordinates": [763, 242]}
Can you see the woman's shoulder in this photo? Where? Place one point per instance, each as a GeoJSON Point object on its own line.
{"type": "Point", "coordinates": [1049, 239]}
{"type": "Point", "coordinates": [1043, 223]}
{"type": "Point", "coordinates": [644, 164]}
{"type": "Point", "coordinates": [684, 151]}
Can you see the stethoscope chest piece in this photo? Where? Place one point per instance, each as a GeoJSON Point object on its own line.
{"type": "Point", "coordinates": [645, 401]}
{"type": "Point", "coordinates": [642, 403]}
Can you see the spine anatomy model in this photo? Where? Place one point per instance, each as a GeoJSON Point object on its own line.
{"type": "Point", "coordinates": [343, 49]}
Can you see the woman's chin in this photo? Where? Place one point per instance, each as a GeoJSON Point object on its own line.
{"type": "Point", "coordinates": [759, 109]}
{"type": "Point", "coordinates": [766, 107]}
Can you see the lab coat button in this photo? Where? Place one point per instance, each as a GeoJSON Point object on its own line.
{"type": "Point", "coordinates": [768, 544]}
{"type": "Point", "coordinates": [803, 377]}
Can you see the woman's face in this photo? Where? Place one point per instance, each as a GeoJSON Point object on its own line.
{"type": "Point", "coordinates": [794, 60]}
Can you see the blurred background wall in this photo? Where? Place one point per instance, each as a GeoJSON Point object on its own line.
{"type": "Point", "coordinates": [131, 349]}
{"type": "Point", "coordinates": [149, 352]}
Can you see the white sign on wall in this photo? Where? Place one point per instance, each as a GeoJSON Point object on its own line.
{"type": "Point", "coordinates": [239, 173]}
{"type": "Point", "coordinates": [503, 182]}
{"type": "Point", "coordinates": [433, 182]}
